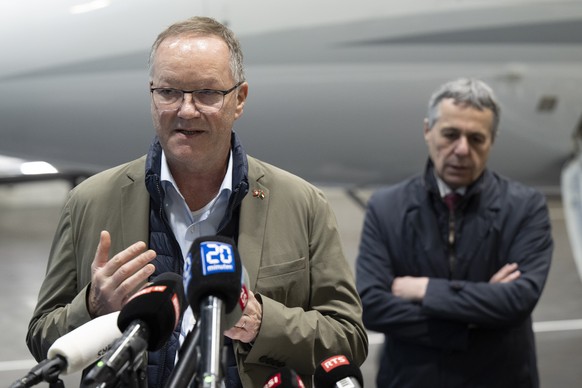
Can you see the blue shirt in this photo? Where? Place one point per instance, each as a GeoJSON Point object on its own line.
{"type": "Point", "coordinates": [188, 225]}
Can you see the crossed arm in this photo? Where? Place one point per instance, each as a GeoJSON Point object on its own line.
{"type": "Point", "coordinates": [414, 288]}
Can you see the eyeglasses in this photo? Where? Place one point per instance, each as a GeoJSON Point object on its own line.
{"type": "Point", "coordinates": [205, 100]}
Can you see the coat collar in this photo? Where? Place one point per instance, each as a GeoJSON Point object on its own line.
{"type": "Point", "coordinates": [239, 175]}
{"type": "Point", "coordinates": [483, 188]}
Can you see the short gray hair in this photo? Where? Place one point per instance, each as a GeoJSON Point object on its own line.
{"type": "Point", "coordinates": [204, 26]}
{"type": "Point", "coordinates": [465, 91]}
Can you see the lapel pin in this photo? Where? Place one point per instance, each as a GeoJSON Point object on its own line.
{"type": "Point", "coordinates": [259, 194]}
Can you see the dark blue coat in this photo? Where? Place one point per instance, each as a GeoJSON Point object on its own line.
{"type": "Point", "coordinates": [466, 332]}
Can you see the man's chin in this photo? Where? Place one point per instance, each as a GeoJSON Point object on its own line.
{"type": "Point", "coordinates": [454, 181]}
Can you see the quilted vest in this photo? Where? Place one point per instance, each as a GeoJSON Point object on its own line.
{"type": "Point", "coordinates": [169, 256]}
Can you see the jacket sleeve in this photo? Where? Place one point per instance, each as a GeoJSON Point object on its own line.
{"type": "Point", "coordinates": [61, 305]}
{"type": "Point", "coordinates": [383, 312]}
{"type": "Point", "coordinates": [529, 244]}
{"type": "Point", "coordinates": [326, 320]}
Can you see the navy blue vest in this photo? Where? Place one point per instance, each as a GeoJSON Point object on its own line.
{"type": "Point", "coordinates": [169, 256]}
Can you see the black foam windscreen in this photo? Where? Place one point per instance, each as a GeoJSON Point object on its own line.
{"type": "Point", "coordinates": [232, 317]}
{"type": "Point", "coordinates": [336, 368]}
{"type": "Point", "coordinates": [284, 378]}
{"type": "Point", "coordinates": [213, 267]}
{"type": "Point", "coordinates": [158, 306]}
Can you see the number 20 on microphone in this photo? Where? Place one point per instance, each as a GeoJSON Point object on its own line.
{"type": "Point", "coordinates": [216, 257]}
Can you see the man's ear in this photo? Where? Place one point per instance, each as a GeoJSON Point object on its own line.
{"type": "Point", "coordinates": [426, 128]}
{"type": "Point", "coordinates": [241, 98]}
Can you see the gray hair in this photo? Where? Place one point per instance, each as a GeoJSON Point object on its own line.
{"type": "Point", "coordinates": [465, 91]}
{"type": "Point", "coordinates": [205, 26]}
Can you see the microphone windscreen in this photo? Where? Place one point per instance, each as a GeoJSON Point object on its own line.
{"type": "Point", "coordinates": [87, 343]}
{"type": "Point", "coordinates": [284, 378]}
{"type": "Point", "coordinates": [213, 268]}
{"type": "Point", "coordinates": [231, 318]}
{"type": "Point", "coordinates": [159, 306]}
{"type": "Point", "coordinates": [334, 369]}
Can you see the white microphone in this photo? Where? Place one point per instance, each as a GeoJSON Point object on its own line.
{"type": "Point", "coordinates": [87, 343]}
{"type": "Point", "coordinates": [75, 350]}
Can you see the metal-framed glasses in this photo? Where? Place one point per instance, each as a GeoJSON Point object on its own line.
{"type": "Point", "coordinates": [205, 100]}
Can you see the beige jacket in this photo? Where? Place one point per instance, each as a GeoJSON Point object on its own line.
{"type": "Point", "coordinates": [288, 242]}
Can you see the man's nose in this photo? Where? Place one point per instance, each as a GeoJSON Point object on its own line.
{"type": "Point", "coordinates": [188, 107]}
{"type": "Point", "coordinates": [462, 146]}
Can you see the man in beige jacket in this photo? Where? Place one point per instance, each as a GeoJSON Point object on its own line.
{"type": "Point", "coordinates": [125, 225]}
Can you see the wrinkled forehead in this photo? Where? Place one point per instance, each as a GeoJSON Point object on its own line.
{"type": "Point", "coordinates": [451, 112]}
{"type": "Point", "coordinates": [192, 44]}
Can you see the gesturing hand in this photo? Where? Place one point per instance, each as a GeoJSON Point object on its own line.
{"type": "Point", "coordinates": [114, 281]}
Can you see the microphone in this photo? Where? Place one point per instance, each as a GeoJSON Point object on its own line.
{"type": "Point", "coordinates": [232, 317]}
{"type": "Point", "coordinates": [284, 378]}
{"type": "Point", "coordinates": [337, 372]}
{"type": "Point", "coordinates": [189, 352]}
{"type": "Point", "coordinates": [75, 350]}
{"type": "Point", "coordinates": [147, 321]}
{"type": "Point", "coordinates": [214, 288]}
{"type": "Point", "coordinates": [87, 343]}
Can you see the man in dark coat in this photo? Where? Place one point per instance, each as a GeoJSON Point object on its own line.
{"type": "Point", "coordinates": [453, 261]}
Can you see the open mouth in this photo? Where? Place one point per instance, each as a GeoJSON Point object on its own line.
{"type": "Point", "coordinates": [189, 133]}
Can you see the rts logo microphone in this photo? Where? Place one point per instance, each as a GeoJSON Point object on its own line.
{"type": "Point", "coordinates": [274, 381]}
{"type": "Point", "coordinates": [334, 362]}
{"type": "Point", "coordinates": [291, 379]}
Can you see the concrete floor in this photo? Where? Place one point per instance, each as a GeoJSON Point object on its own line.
{"type": "Point", "coordinates": [28, 216]}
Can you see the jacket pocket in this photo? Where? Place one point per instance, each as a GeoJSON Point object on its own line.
{"type": "Point", "coordinates": [287, 282]}
{"type": "Point", "coordinates": [281, 269]}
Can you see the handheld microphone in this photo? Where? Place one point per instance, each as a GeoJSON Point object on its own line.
{"type": "Point", "coordinates": [189, 353]}
{"type": "Point", "coordinates": [147, 321]}
{"type": "Point", "coordinates": [75, 350]}
{"type": "Point", "coordinates": [214, 288]}
{"type": "Point", "coordinates": [337, 372]}
{"type": "Point", "coordinates": [284, 378]}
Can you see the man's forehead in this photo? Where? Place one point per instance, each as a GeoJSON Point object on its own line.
{"type": "Point", "coordinates": [191, 41]}
{"type": "Point", "coordinates": [464, 116]}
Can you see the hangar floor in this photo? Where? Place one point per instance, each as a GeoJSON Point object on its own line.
{"type": "Point", "coordinates": [28, 216]}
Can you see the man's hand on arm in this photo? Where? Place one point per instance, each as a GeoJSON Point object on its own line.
{"type": "Point", "coordinates": [114, 281]}
{"type": "Point", "coordinates": [247, 328]}
{"type": "Point", "coordinates": [507, 273]}
{"type": "Point", "coordinates": [410, 288]}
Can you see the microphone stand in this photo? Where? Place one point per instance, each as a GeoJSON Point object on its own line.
{"type": "Point", "coordinates": [211, 314]}
{"type": "Point", "coordinates": [188, 358]}
{"type": "Point", "coordinates": [130, 374]}
{"type": "Point", "coordinates": [135, 376]}
{"type": "Point", "coordinates": [52, 377]}
{"type": "Point", "coordinates": [47, 371]}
